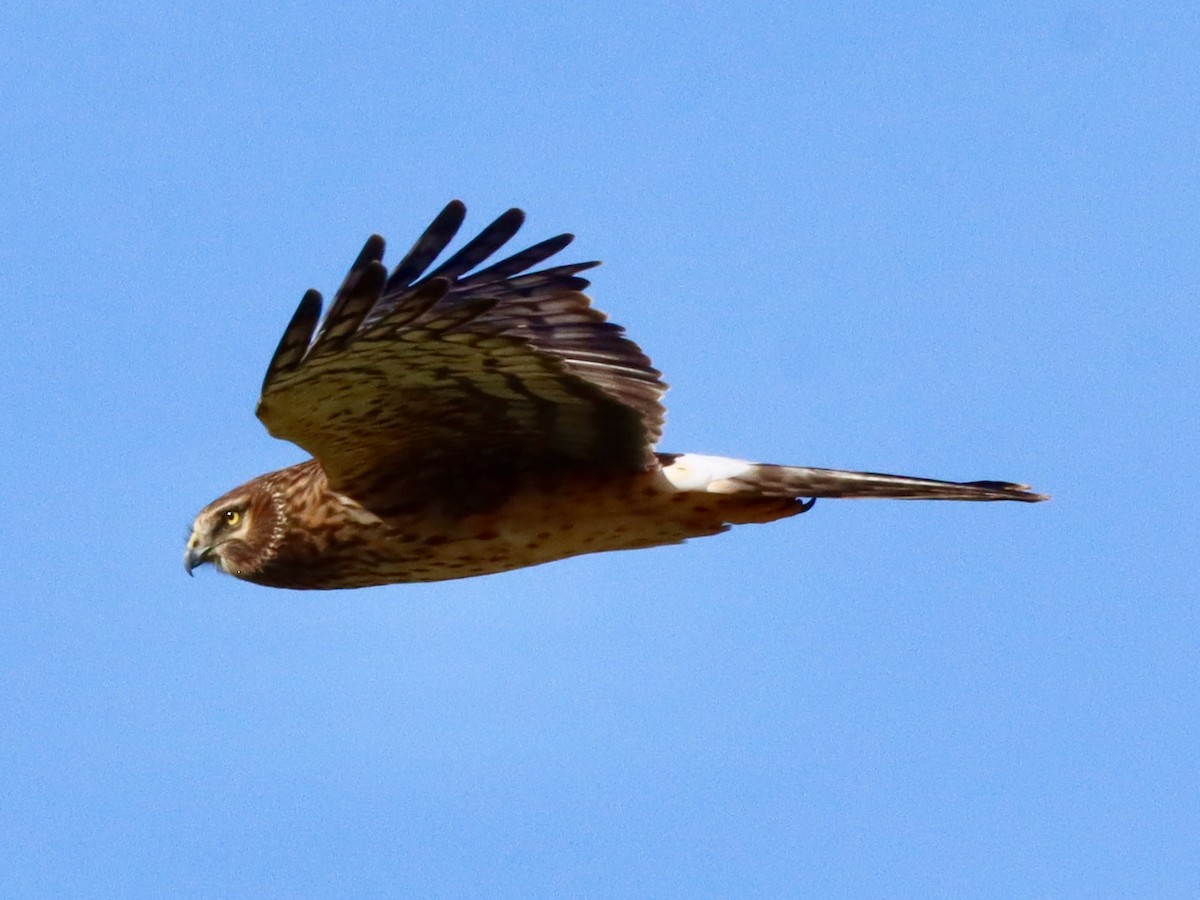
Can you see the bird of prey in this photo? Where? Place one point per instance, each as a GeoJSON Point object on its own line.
{"type": "Point", "coordinates": [464, 421]}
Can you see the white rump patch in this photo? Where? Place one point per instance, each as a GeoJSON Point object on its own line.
{"type": "Point", "coordinates": [692, 472]}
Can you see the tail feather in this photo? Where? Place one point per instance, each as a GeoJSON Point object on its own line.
{"type": "Point", "coordinates": [729, 476]}
{"type": "Point", "coordinates": [797, 481]}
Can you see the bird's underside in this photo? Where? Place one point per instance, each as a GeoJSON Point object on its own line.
{"type": "Point", "coordinates": [466, 421]}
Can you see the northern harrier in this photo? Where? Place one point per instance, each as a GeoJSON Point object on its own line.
{"type": "Point", "coordinates": [467, 422]}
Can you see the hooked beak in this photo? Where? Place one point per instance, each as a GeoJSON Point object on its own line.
{"type": "Point", "coordinates": [195, 556]}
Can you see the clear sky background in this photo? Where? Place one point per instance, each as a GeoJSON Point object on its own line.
{"type": "Point", "coordinates": [959, 241]}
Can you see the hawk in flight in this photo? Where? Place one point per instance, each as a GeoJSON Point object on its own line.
{"type": "Point", "coordinates": [466, 420]}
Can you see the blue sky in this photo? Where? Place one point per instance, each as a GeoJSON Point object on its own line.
{"type": "Point", "coordinates": [947, 241]}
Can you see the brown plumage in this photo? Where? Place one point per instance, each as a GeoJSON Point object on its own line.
{"type": "Point", "coordinates": [463, 424]}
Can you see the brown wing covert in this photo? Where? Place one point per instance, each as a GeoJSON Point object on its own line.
{"type": "Point", "coordinates": [459, 376]}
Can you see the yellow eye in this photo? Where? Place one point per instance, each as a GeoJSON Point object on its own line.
{"type": "Point", "coordinates": [232, 517]}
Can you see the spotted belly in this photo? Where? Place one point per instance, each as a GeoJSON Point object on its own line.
{"type": "Point", "coordinates": [541, 521]}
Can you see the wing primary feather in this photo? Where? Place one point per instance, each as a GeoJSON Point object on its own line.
{"type": "Point", "coordinates": [482, 246]}
{"type": "Point", "coordinates": [525, 285]}
{"type": "Point", "coordinates": [372, 251]}
{"type": "Point", "coordinates": [354, 300]}
{"type": "Point", "coordinates": [296, 337]}
{"type": "Point", "coordinates": [371, 254]}
{"type": "Point", "coordinates": [519, 262]}
{"type": "Point", "coordinates": [427, 247]}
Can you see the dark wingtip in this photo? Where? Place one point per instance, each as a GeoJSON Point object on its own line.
{"type": "Point", "coordinates": [514, 215]}
{"type": "Point", "coordinates": [372, 251]}
{"type": "Point", "coordinates": [450, 219]}
{"type": "Point", "coordinates": [428, 246]}
{"type": "Point", "coordinates": [297, 335]}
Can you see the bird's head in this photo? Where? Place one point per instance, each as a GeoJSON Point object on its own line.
{"type": "Point", "coordinates": [238, 533]}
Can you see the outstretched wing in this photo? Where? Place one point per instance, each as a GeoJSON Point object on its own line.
{"type": "Point", "coordinates": [445, 381]}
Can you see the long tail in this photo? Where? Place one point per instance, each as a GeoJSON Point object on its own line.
{"type": "Point", "coordinates": [719, 475]}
